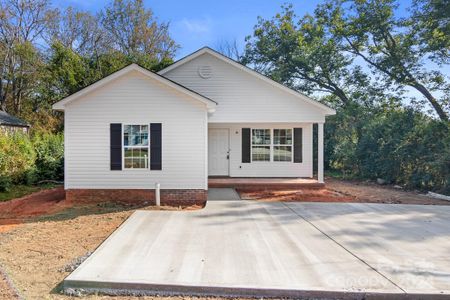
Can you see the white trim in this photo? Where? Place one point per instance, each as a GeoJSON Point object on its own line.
{"type": "Point", "coordinates": [271, 145]}
{"type": "Point", "coordinates": [320, 153]}
{"type": "Point", "coordinates": [206, 152]}
{"type": "Point", "coordinates": [326, 109]}
{"type": "Point", "coordinates": [262, 145]}
{"type": "Point", "coordinates": [66, 153]}
{"type": "Point", "coordinates": [148, 147]}
{"type": "Point", "coordinates": [284, 145]}
{"type": "Point", "coordinates": [60, 105]}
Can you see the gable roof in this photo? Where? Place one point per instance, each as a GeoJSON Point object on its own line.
{"type": "Point", "coordinates": [220, 56]}
{"type": "Point", "coordinates": [7, 119]}
{"type": "Point", "coordinates": [211, 104]}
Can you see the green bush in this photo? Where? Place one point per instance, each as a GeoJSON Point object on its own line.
{"type": "Point", "coordinates": [401, 146]}
{"type": "Point", "coordinates": [17, 156]}
{"type": "Point", "coordinates": [25, 160]}
{"type": "Point", "coordinates": [5, 183]}
{"type": "Point", "coordinates": [49, 164]}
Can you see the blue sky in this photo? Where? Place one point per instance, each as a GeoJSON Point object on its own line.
{"type": "Point", "coordinates": [197, 23]}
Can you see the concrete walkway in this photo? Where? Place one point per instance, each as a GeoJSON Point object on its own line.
{"type": "Point", "coordinates": [222, 194]}
{"type": "Point", "coordinates": [276, 249]}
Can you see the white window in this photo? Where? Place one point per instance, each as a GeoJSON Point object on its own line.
{"type": "Point", "coordinates": [266, 148]}
{"type": "Point", "coordinates": [282, 145]}
{"type": "Point", "coordinates": [261, 144]}
{"type": "Point", "coordinates": [136, 146]}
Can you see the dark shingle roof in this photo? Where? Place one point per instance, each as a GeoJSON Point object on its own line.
{"type": "Point", "coordinates": [7, 119]}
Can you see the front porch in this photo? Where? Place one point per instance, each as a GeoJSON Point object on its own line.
{"type": "Point", "coordinates": [264, 183]}
{"type": "Point", "coordinates": [278, 155]}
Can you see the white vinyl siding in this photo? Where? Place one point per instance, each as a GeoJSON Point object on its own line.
{"type": "Point", "coordinates": [135, 99]}
{"type": "Point", "coordinates": [268, 168]}
{"type": "Point", "coordinates": [242, 97]}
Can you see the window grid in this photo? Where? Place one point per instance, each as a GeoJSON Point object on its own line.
{"type": "Point", "coordinates": [272, 145]}
{"type": "Point", "coordinates": [136, 146]}
{"type": "Point", "coordinates": [261, 145]}
{"type": "Point", "coordinates": [282, 145]}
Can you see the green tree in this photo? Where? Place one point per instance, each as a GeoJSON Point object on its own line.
{"type": "Point", "coordinates": [388, 44]}
{"type": "Point", "coordinates": [22, 23]}
{"type": "Point", "coordinates": [303, 54]}
{"type": "Point", "coordinates": [432, 24]}
{"type": "Point", "coordinates": [66, 71]}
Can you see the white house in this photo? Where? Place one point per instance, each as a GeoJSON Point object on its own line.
{"type": "Point", "coordinates": [205, 115]}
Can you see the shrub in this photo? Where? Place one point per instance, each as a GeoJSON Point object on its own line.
{"type": "Point", "coordinates": [425, 153]}
{"type": "Point", "coordinates": [49, 164]}
{"type": "Point", "coordinates": [29, 160]}
{"type": "Point", "coordinates": [5, 183]}
{"type": "Point", "coordinates": [399, 145]}
{"type": "Point", "coordinates": [17, 156]}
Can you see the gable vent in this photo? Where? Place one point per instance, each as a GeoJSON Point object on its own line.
{"type": "Point", "coordinates": [205, 72]}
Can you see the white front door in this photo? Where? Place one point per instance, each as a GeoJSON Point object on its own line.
{"type": "Point", "coordinates": [218, 151]}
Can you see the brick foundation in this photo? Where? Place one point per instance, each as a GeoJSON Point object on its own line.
{"type": "Point", "coordinates": [173, 197]}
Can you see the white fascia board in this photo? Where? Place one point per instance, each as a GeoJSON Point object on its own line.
{"type": "Point", "coordinates": [327, 110]}
{"type": "Point", "coordinates": [210, 104]}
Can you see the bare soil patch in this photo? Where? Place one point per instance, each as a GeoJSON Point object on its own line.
{"type": "Point", "coordinates": [344, 191]}
{"type": "Point", "coordinates": [41, 234]}
{"type": "Point", "coordinates": [44, 202]}
{"type": "Point", "coordinates": [50, 202]}
{"type": "Point", "coordinates": [6, 292]}
{"type": "Point", "coordinates": [35, 255]}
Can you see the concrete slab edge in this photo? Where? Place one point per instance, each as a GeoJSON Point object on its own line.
{"type": "Point", "coordinates": [147, 289]}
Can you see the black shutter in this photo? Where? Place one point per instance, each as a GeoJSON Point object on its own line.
{"type": "Point", "coordinates": [155, 146]}
{"type": "Point", "coordinates": [116, 146]}
{"type": "Point", "coordinates": [298, 145]}
{"type": "Point", "coordinates": [246, 145]}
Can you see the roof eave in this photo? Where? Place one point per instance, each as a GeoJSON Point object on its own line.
{"type": "Point", "coordinates": [327, 110]}
{"type": "Point", "coordinates": [60, 105]}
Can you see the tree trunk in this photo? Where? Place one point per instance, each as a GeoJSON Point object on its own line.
{"type": "Point", "coordinates": [341, 95]}
{"type": "Point", "coordinates": [437, 107]}
{"type": "Point", "coordinates": [2, 99]}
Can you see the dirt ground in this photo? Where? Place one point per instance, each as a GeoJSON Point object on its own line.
{"type": "Point", "coordinates": [37, 255]}
{"type": "Point", "coordinates": [37, 251]}
{"type": "Point", "coordinates": [45, 202]}
{"type": "Point", "coordinates": [345, 191]}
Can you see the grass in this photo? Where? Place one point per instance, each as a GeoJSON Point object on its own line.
{"type": "Point", "coordinates": [17, 191]}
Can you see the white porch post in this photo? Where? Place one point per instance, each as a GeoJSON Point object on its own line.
{"type": "Point", "coordinates": [320, 153]}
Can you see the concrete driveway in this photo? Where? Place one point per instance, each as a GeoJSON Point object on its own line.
{"type": "Point", "coordinates": [276, 249]}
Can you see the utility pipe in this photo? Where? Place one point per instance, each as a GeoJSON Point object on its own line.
{"type": "Point", "coordinates": [157, 194]}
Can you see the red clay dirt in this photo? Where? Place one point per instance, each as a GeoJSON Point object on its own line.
{"type": "Point", "coordinates": [295, 195]}
{"type": "Point", "coordinates": [36, 204]}
{"type": "Point", "coordinates": [344, 191]}
{"type": "Point", "coordinates": [52, 201]}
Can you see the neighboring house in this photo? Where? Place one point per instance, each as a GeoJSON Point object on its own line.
{"type": "Point", "coordinates": [205, 115]}
{"type": "Point", "coordinates": [10, 124]}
